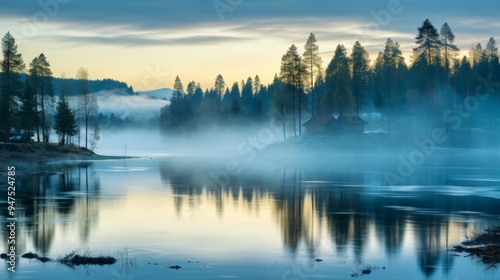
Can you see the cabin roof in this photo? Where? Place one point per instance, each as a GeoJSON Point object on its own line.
{"type": "Point", "coordinates": [319, 119]}
{"type": "Point", "coordinates": [351, 120]}
{"type": "Point", "coordinates": [324, 119]}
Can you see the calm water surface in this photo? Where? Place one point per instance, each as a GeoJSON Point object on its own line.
{"type": "Point", "coordinates": [270, 221]}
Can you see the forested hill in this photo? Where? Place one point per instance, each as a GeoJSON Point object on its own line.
{"type": "Point", "coordinates": [94, 85]}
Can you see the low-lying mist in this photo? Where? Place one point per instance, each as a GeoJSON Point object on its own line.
{"type": "Point", "coordinates": [208, 142]}
{"type": "Point", "coordinates": [136, 107]}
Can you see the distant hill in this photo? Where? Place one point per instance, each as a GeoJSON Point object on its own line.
{"type": "Point", "coordinates": [94, 86]}
{"type": "Point", "coordinates": [162, 93]}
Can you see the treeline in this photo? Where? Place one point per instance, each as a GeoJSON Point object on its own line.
{"type": "Point", "coordinates": [73, 86]}
{"type": "Point", "coordinates": [93, 85]}
{"type": "Point", "coordinates": [436, 89]}
{"type": "Point", "coordinates": [192, 108]}
{"type": "Point", "coordinates": [29, 105]}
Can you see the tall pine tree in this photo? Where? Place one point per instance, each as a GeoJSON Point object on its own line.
{"type": "Point", "coordinates": [338, 61]}
{"type": "Point", "coordinates": [42, 81]}
{"type": "Point", "coordinates": [10, 83]}
{"type": "Point", "coordinates": [360, 73]}
{"type": "Point", "coordinates": [313, 62]}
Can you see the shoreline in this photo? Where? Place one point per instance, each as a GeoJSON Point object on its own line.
{"type": "Point", "coordinates": [485, 246]}
{"type": "Point", "coordinates": [47, 153]}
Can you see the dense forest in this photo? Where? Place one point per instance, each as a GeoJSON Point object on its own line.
{"type": "Point", "coordinates": [437, 88]}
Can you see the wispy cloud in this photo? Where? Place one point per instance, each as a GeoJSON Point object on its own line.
{"type": "Point", "coordinates": [124, 40]}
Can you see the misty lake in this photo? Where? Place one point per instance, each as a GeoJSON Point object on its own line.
{"type": "Point", "coordinates": [329, 218]}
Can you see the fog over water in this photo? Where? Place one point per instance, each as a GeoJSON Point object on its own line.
{"type": "Point", "coordinates": [214, 141]}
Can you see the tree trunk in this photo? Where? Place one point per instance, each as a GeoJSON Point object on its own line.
{"type": "Point", "coordinates": [43, 113]}
{"type": "Point", "coordinates": [300, 107]}
{"type": "Point", "coordinates": [6, 96]}
{"type": "Point", "coordinates": [447, 81]}
{"type": "Point", "coordinates": [294, 115]}
{"type": "Point", "coordinates": [389, 101]}
{"type": "Point", "coordinates": [36, 113]}
{"type": "Point", "coordinates": [86, 128]}
{"type": "Point", "coordinates": [312, 89]}
{"type": "Point", "coordinates": [283, 120]}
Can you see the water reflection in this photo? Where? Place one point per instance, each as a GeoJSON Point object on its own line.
{"type": "Point", "coordinates": [347, 210]}
{"type": "Point", "coordinates": [46, 200]}
{"type": "Point", "coordinates": [427, 217]}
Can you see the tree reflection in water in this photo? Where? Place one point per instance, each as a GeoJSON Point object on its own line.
{"type": "Point", "coordinates": [44, 199]}
{"type": "Point", "coordinates": [348, 205]}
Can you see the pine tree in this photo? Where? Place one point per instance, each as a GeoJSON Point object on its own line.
{"type": "Point", "coordinates": [450, 52]}
{"type": "Point", "coordinates": [339, 60]}
{"type": "Point", "coordinates": [65, 120]}
{"type": "Point", "coordinates": [178, 89]}
{"type": "Point", "coordinates": [219, 86]}
{"type": "Point", "coordinates": [294, 75]}
{"type": "Point", "coordinates": [226, 101]}
{"type": "Point", "coordinates": [313, 61]}
{"type": "Point", "coordinates": [256, 84]}
{"type": "Point", "coordinates": [191, 88]}
{"type": "Point", "coordinates": [491, 49]}
{"type": "Point", "coordinates": [495, 67]}
{"type": "Point", "coordinates": [481, 69]}
{"type": "Point", "coordinates": [377, 82]}
{"type": "Point", "coordinates": [247, 97]}
{"type": "Point", "coordinates": [235, 99]}
{"type": "Point", "coordinates": [390, 63]}
{"type": "Point", "coordinates": [464, 82]}
{"type": "Point", "coordinates": [475, 55]}
{"type": "Point", "coordinates": [344, 99]}
{"type": "Point", "coordinates": [360, 73]}
{"type": "Point", "coordinates": [463, 79]}
{"type": "Point", "coordinates": [428, 41]}
{"type": "Point", "coordinates": [42, 81]}
{"type": "Point", "coordinates": [10, 83]}
{"type": "Point", "coordinates": [450, 49]}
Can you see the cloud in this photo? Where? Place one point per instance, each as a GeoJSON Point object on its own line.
{"type": "Point", "coordinates": [175, 14]}
{"type": "Point", "coordinates": [124, 40]}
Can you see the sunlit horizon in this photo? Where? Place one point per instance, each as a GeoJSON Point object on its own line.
{"type": "Point", "coordinates": [199, 42]}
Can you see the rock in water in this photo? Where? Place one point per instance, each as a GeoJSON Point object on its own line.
{"type": "Point", "coordinates": [175, 267]}
{"type": "Point", "coordinates": [30, 256]}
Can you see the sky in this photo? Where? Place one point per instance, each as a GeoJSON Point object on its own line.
{"type": "Point", "coordinates": [148, 43]}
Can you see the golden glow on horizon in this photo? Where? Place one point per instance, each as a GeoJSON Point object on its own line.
{"type": "Point", "coordinates": [146, 67]}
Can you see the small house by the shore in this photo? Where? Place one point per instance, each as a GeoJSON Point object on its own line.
{"type": "Point", "coordinates": [352, 124]}
{"type": "Point", "coordinates": [328, 124]}
{"type": "Point", "coordinates": [321, 124]}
